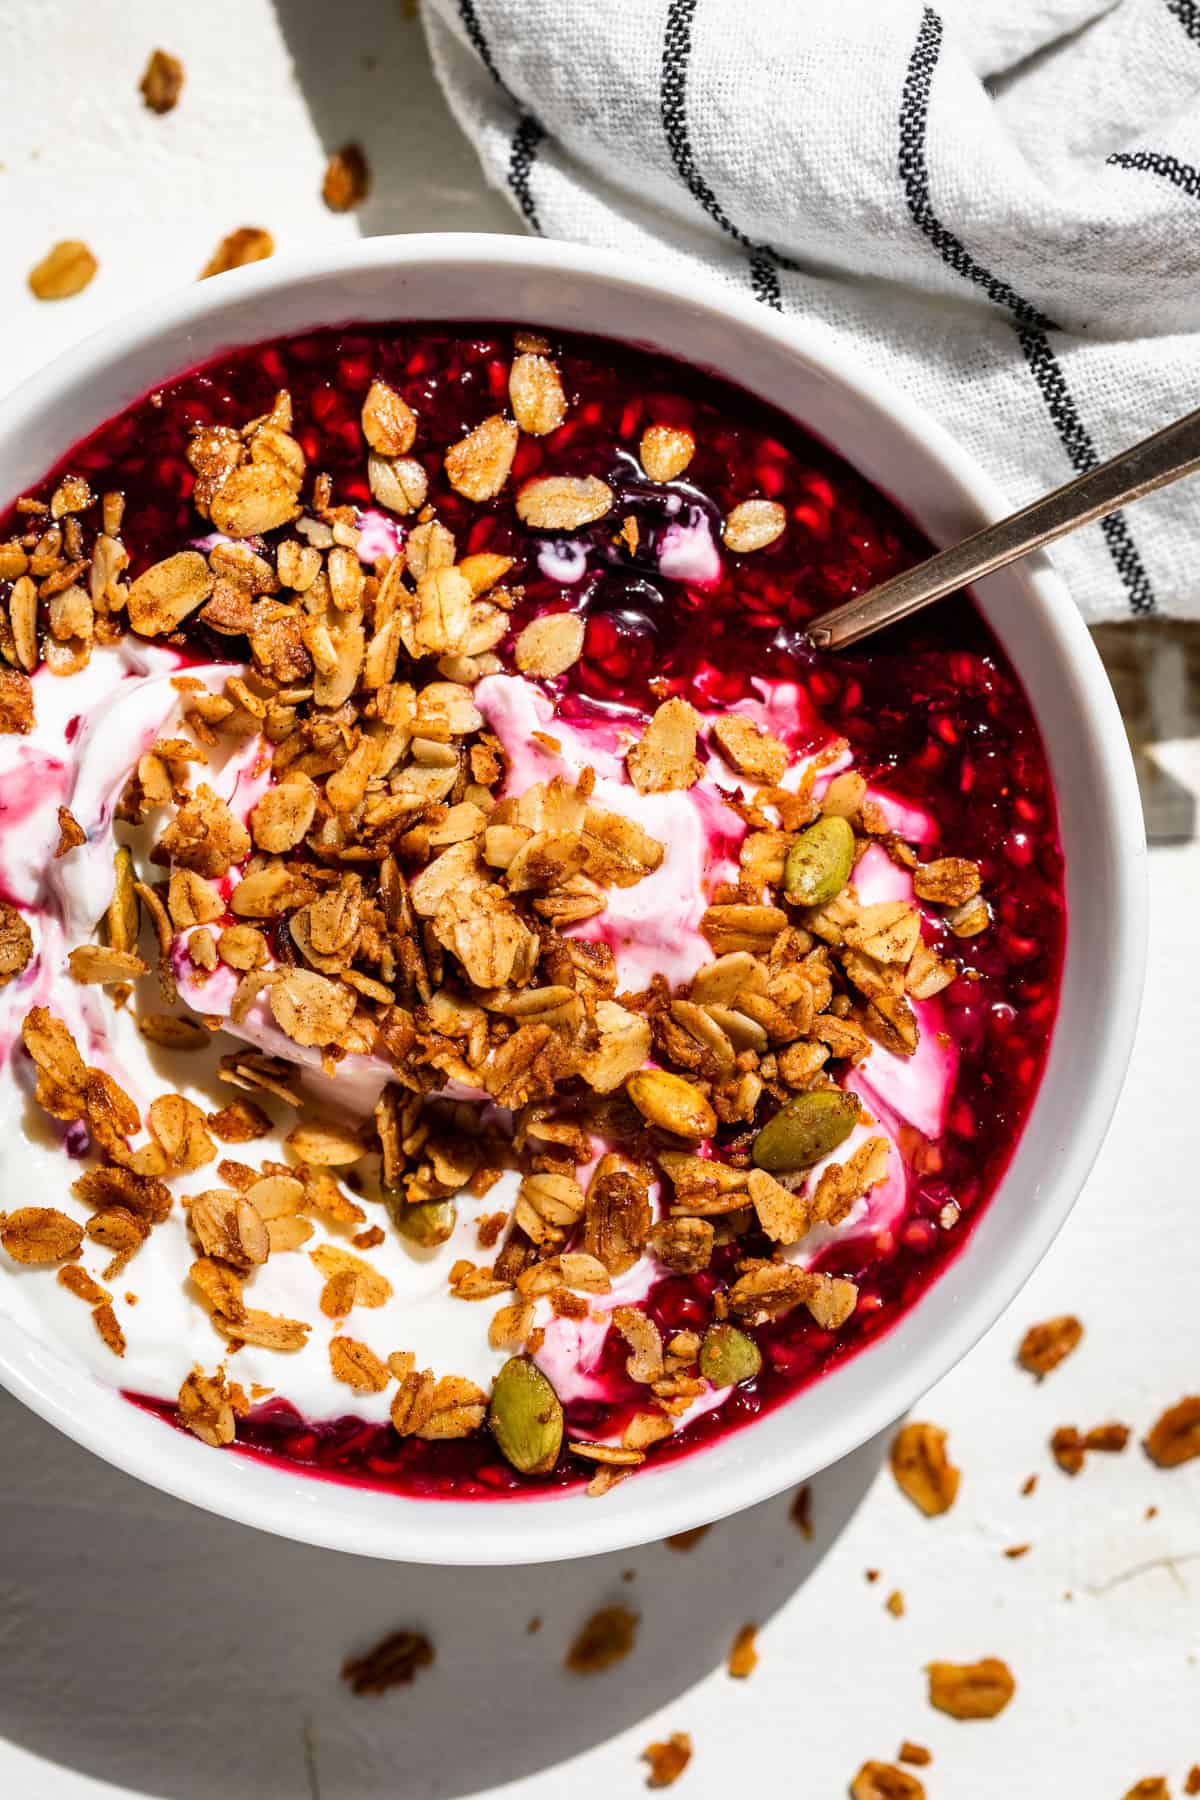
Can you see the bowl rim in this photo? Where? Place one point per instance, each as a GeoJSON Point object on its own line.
{"type": "Point", "coordinates": [296, 1505]}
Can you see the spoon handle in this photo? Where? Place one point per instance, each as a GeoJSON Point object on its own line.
{"type": "Point", "coordinates": [1156, 461]}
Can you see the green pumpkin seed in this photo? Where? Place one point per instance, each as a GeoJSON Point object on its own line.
{"type": "Point", "coordinates": [427, 1223]}
{"type": "Point", "coordinates": [819, 862]}
{"type": "Point", "coordinates": [124, 915]}
{"type": "Point", "coordinates": [525, 1417]}
{"type": "Point", "coordinates": [728, 1356]}
{"type": "Point", "coordinates": [805, 1130]}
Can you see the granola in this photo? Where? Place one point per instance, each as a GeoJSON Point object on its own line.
{"type": "Point", "coordinates": [347, 179]}
{"type": "Point", "coordinates": [65, 270]}
{"type": "Point", "coordinates": [667, 1760]}
{"type": "Point", "coordinates": [248, 244]}
{"type": "Point", "coordinates": [393, 1662]}
{"type": "Point", "coordinates": [1069, 1446]}
{"type": "Point", "coordinates": [426, 903]}
{"type": "Point", "coordinates": [923, 1469]}
{"type": "Point", "coordinates": [1044, 1346]}
{"type": "Point", "coordinates": [971, 1690]}
{"type": "Point", "coordinates": [915, 1754]}
{"type": "Point", "coordinates": [606, 1638]}
{"type": "Point", "coordinates": [743, 1656]}
{"type": "Point", "coordinates": [162, 83]}
{"type": "Point", "coordinates": [1174, 1438]}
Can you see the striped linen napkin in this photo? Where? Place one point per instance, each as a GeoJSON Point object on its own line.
{"type": "Point", "coordinates": [996, 203]}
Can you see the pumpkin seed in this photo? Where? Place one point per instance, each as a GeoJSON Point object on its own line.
{"type": "Point", "coordinates": [819, 862]}
{"type": "Point", "coordinates": [124, 916]}
{"type": "Point", "coordinates": [427, 1223]}
{"type": "Point", "coordinates": [672, 1103]}
{"type": "Point", "coordinates": [805, 1130]}
{"type": "Point", "coordinates": [525, 1417]}
{"type": "Point", "coordinates": [728, 1356]}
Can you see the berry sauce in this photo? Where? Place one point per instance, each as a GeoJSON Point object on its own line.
{"type": "Point", "coordinates": [932, 710]}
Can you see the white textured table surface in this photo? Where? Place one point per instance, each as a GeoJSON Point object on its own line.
{"type": "Point", "coordinates": [148, 1649]}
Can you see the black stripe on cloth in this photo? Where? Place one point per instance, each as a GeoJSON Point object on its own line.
{"type": "Point", "coordinates": [765, 262]}
{"type": "Point", "coordinates": [914, 173]}
{"type": "Point", "coordinates": [1156, 162]}
{"type": "Point", "coordinates": [1188, 14]}
{"type": "Point", "coordinates": [1031, 324]}
{"type": "Point", "coordinates": [1047, 372]}
{"type": "Point", "coordinates": [480, 45]}
{"type": "Point", "coordinates": [529, 131]}
{"type": "Point", "coordinates": [522, 156]}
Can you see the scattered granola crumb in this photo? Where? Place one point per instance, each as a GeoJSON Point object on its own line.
{"type": "Point", "coordinates": [536, 394]}
{"type": "Point", "coordinates": [1069, 1446]}
{"type": "Point", "coordinates": [666, 451]}
{"type": "Point", "coordinates": [16, 698]}
{"type": "Point", "coordinates": [884, 1781]}
{"type": "Point", "coordinates": [743, 1656]}
{"type": "Point", "coordinates": [107, 1324]}
{"type": "Point", "coordinates": [534, 1625]}
{"type": "Point", "coordinates": [1151, 1787]}
{"type": "Point", "coordinates": [1151, 1512]}
{"type": "Point", "coordinates": [393, 1662]}
{"type": "Point", "coordinates": [65, 270]}
{"type": "Point", "coordinates": [248, 244]}
{"type": "Point", "coordinates": [490, 1229]}
{"type": "Point", "coordinates": [667, 1760]}
{"type": "Point", "coordinates": [39, 1234]}
{"type": "Point", "coordinates": [347, 179]}
{"type": "Point", "coordinates": [1029, 1484]}
{"type": "Point", "coordinates": [1044, 1346]}
{"type": "Point", "coordinates": [356, 1365]}
{"type": "Point", "coordinates": [801, 1513]}
{"type": "Point", "coordinates": [971, 1690]}
{"type": "Point", "coordinates": [664, 758]}
{"type": "Point", "coordinates": [210, 1406]}
{"type": "Point", "coordinates": [557, 502]}
{"type": "Point", "coordinates": [369, 1239]}
{"type": "Point", "coordinates": [162, 82]}
{"type": "Point", "coordinates": [606, 1638]}
{"type": "Point", "coordinates": [916, 1754]}
{"type": "Point", "coordinates": [628, 1574]}
{"type": "Point", "coordinates": [922, 1469]}
{"type": "Point", "coordinates": [77, 1281]}
{"type": "Point", "coordinates": [1192, 1784]}
{"type": "Point", "coordinates": [872, 1575]}
{"type": "Point", "coordinates": [16, 943]}
{"type": "Point", "coordinates": [1174, 1437]}
{"type": "Point", "coordinates": [895, 1604]}
{"type": "Point", "coordinates": [687, 1540]}
{"type": "Point", "coordinates": [238, 1123]}
{"type": "Point", "coordinates": [131, 1299]}
{"type": "Point", "coordinates": [70, 832]}
{"type": "Point", "coordinates": [753, 524]}
{"type": "Point", "coordinates": [1016, 1550]}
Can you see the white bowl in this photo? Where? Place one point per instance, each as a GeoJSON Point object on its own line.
{"type": "Point", "coordinates": [916, 462]}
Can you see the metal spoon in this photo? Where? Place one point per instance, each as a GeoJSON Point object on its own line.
{"type": "Point", "coordinates": [1155, 462]}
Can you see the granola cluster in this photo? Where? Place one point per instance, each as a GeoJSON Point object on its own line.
{"type": "Point", "coordinates": [391, 896]}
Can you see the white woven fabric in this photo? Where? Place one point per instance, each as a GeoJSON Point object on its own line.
{"type": "Point", "coordinates": [996, 203]}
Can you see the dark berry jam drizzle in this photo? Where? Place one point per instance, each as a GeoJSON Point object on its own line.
{"type": "Point", "coordinates": [932, 710]}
